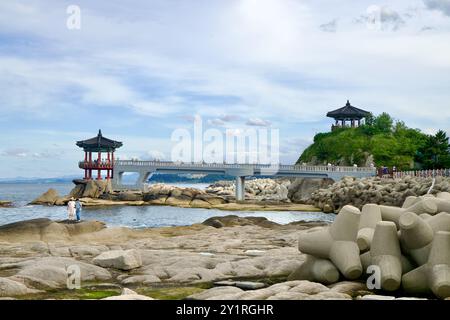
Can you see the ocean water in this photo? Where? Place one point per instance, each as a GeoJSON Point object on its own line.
{"type": "Point", "coordinates": [135, 217]}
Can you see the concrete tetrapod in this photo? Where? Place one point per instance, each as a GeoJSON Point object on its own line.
{"type": "Point", "coordinates": [433, 276]}
{"type": "Point", "coordinates": [370, 216]}
{"type": "Point", "coordinates": [409, 201]}
{"type": "Point", "coordinates": [317, 270]}
{"type": "Point", "coordinates": [443, 196]}
{"type": "Point", "coordinates": [386, 254]}
{"type": "Point", "coordinates": [415, 235]}
{"type": "Point", "coordinates": [407, 265]}
{"type": "Point", "coordinates": [425, 205]}
{"type": "Point", "coordinates": [336, 242]}
{"type": "Point", "coordinates": [439, 222]}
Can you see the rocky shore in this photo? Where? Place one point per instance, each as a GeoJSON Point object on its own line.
{"type": "Point", "coordinates": [261, 194]}
{"type": "Point", "coordinates": [223, 258]}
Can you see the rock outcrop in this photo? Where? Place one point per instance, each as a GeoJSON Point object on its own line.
{"type": "Point", "coordinates": [5, 204]}
{"type": "Point", "coordinates": [119, 259]}
{"type": "Point", "coordinates": [300, 189]}
{"type": "Point", "coordinates": [48, 198]}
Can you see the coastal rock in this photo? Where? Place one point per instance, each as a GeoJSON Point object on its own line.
{"type": "Point", "coordinates": [52, 272]}
{"type": "Point", "coordinates": [141, 279]}
{"type": "Point", "coordinates": [10, 288]}
{"type": "Point", "coordinates": [119, 259]}
{"type": "Point", "coordinates": [130, 196]}
{"type": "Point", "coordinates": [77, 191]}
{"type": "Point", "coordinates": [46, 230]}
{"type": "Point", "coordinates": [48, 198]}
{"type": "Point", "coordinates": [232, 220]}
{"type": "Point", "coordinates": [198, 203]}
{"type": "Point", "coordinates": [5, 204]}
{"type": "Point", "coordinates": [301, 189]}
{"type": "Point", "coordinates": [94, 188]}
{"type": "Point", "coordinates": [179, 200]}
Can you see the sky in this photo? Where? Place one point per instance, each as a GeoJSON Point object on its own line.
{"type": "Point", "coordinates": [139, 70]}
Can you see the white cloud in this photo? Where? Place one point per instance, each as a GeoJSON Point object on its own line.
{"type": "Point", "coordinates": [329, 27]}
{"type": "Point", "coordinates": [440, 5]}
{"type": "Point", "coordinates": [258, 122]}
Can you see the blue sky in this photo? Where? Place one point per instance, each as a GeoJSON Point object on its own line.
{"type": "Point", "coordinates": [141, 69]}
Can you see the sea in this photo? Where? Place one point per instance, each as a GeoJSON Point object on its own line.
{"type": "Point", "coordinates": [21, 194]}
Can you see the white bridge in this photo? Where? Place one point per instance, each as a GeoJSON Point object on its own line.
{"type": "Point", "coordinates": [240, 171]}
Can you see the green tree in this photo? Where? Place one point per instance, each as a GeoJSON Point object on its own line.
{"type": "Point", "coordinates": [383, 123]}
{"type": "Point", "coordinates": [435, 153]}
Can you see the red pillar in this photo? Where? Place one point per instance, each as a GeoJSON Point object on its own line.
{"type": "Point", "coordinates": [99, 160]}
{"type": "Point", "coordinates": [112, 164]}
{"type": "Point", "coordinates": [109, 162]}
{"type": "Point", "coordinates": [90, 165]}
{"type": "Point", "coordinates": [85, 162]}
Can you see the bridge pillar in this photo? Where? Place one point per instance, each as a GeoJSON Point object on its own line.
{"type": "Point", "coordinates": [240, 188]}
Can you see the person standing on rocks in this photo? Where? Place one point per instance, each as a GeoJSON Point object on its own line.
{"type": "Point", "coordinates": [71, 209]}
{"type": "Point", "coordinates": [78, 207]}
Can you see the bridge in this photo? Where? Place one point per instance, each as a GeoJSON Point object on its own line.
{"type": "Point", "coordinates": [145, 168]}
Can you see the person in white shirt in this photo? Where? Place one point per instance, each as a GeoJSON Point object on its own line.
{"type": "Point", "coordinates": [71, 209]}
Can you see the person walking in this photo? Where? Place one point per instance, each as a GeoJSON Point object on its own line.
{"type": "Point", "coordinates": [78, 207]}
{"type": "Point", "coordinates": [71, 209]}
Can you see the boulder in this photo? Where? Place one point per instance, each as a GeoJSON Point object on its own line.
{"type": "Point", "coordinates": [198, 203]}
{"type": "Point", "coordinates": [181, 200]}
{"type": "Point", "coordinates": [130, 196]}
{"type": "Point", "coordinates": [301, 189]}
{"type": "Point", "coordinates": [119, 259]}
{"type": "Point", "coordinates": [5, 204]}
{"type": "Point", "coordinates": [48, 198]}
{"type": "Point", "coordinates": [10, 288]}
{"type": "Point", "coordinates": [52, 272]}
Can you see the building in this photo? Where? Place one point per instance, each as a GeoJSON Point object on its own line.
{"type": "Point", "coordinates": [98, 145]}
{"type": "Point", "coordinates": [348, 113]}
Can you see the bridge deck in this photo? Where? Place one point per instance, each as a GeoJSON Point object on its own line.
{"type": "Point", "coordinates": [240, 171]}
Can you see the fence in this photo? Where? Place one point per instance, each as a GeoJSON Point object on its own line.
{"type": "Point", "coordinates": [423, 173]}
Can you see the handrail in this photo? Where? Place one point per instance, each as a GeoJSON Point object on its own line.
{"type": "Point", "coordinates": [242, 166]}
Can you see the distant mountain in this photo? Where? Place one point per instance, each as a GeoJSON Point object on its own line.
{"type": "Point", "coordinates": [155, 178]}
{"type": "Point", "coordinates": [34, 180]}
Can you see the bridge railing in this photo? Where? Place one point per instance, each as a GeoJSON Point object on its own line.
{"type": "Point", "coordinates": [241, 166]}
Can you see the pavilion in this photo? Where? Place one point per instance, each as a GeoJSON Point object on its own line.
{"type": "Point", "coordinates": [347, 113]}
{"type": "Point", "coordinates": [99, 145]}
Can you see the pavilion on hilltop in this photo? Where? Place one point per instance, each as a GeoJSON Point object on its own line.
{"type": "Point", "coordinates": [348, 113]}
{"type": "Point", "coordinates": [99, 145]}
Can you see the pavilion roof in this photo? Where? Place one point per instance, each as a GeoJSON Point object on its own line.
{"type": "Point", "coordinates": [348, 112]}
{"type": "Point", "coordinates": [99, 143]}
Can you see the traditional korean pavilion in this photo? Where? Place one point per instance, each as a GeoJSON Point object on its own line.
{"type": "Point", "coordinates": [98, 145]}
{"type": "Point", "coordinates": [348, 113]}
